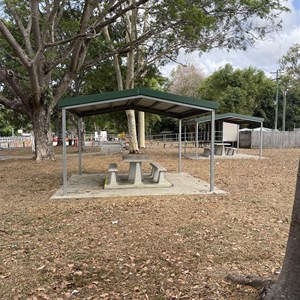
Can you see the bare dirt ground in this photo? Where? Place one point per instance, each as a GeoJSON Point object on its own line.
{"type": "Point", "coordinates": [168, 247]}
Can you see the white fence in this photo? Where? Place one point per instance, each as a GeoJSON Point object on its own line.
{"type": "Point", "coordinates": [203, 136]}
{"type": "Point", "coordinates": [248, 139]}
{"type": "Point", "coordinates": [8, 142]}
{"type": "Point", "coordinates": [280, 139]}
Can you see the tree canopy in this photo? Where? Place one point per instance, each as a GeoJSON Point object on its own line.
{"type": "Point", "coordinates": [185, 80]}
{"type": "Point", "coordinates": [45, 44]}
{"type": "Point", "coordinates": [289, 83]}
{"type": "Point", "coordinates": [248, 91]}
{"type": "Point", "coordinates": [290, 64]}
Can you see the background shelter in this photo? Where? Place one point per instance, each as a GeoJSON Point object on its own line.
{"type": "Point", "coordinates": [228, 118]}
{"type": "Point", "coordinates": [140, 99]}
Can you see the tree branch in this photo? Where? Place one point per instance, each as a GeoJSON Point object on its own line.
{"type": "Point", "coordinates": [9, 78]}
{"type": "Point", "coordinates": [94, 31]}
{"type": "Point", "coordinates": [36, 91]}
{"type": "Point", "coordinates": [14, 105]}
{"type": "Point", "coordinates": [35, 15]}
{"type": "Point", "coordinates": [23, 30]}
{"type": "Point", "coordinates": [15, 45]}
{"type": "Point", "coordinates": [51, 15]}
{"type": "Point", "coordinates": [78, 43]}
{"type": "Point", "coordinates": [104, 21]}
{"type": "Point", "coordinates": [116, 59]}
{"type": "Point", "coordinates": [63, 86]}
{"type": "Point", "coordinates": [122, 50]}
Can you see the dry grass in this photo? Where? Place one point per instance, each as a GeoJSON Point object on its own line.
{"type": "Point", "coordinates": [171, 247]}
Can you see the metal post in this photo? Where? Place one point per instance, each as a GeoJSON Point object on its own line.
{"type": "Point", "coordinates": [179, 147]}
{"type": "Point", "coordinates": [184, 140]}
{"type": "Point", "coordinates": [13, 137]}
{"type": "Point", "coordinates": [212, 152]}
{"type": "Point", "coordinates": [261, 139]}
{"type": "Point", "coordinates": [238, 139]}
{"type": "Point", "coordinates": [64, 136]}
{"type": "Point", "coordinates": [284, 109]}
{"type": "Point", "coordinates": [79, 146]}
{"type": "Point", "coordinates": [197, 139]}
{"type": "Point", "coordinates": [276, 100]}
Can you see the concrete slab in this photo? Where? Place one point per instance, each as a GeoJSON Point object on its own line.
{"type": "Point", "coordinates": [124, 183]}
{"type": "Point", "coordinates": [236, 156]}
{"type": "Point", "coordinates": [91, 186]}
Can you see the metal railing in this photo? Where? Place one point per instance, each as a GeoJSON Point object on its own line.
{"type": "Point", "coordinates": [203, 137]}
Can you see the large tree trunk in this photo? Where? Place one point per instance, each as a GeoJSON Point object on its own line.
{"type": "Point", "coordinates": [287, 286]}
{"type": "Point", "coordinates": [131, 122]}
{"type": "Point", "coordinates": [41, 121]}
{"type": "Point", "coordinates": [133, 145]}
{"type": "Point", "coordinates": [142, 129]}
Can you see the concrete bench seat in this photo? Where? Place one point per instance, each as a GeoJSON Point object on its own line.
{"type": "Point", "coordinates": [157, 173]}
{"type": "Point", "coordinates": [230, 151]}
{"type": "Point", "coordinates": [206, 151]}
{"type": "Point", "coordinates": [112, 174]}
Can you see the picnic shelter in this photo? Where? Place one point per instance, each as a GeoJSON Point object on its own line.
{"type": "Point", "coordinates": [238, 119]}
{"type": "Point", "coordinates": [140, 99]}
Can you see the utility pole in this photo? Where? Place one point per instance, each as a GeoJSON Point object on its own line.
{"type": "Point", "coordinates": [276, 99]}
{"type": "Point", "coordinates": [284, 92]}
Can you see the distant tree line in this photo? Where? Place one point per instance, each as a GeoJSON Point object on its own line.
{"type": "Point", "coordinates": [51, 49]}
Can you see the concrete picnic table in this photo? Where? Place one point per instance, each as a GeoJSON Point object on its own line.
{"type": "Point", "coordinates": [135, 161]}
{"type": "Point", "coordinates": [135, 177]}
{"type": "Point", "coordinates": [220, 148]}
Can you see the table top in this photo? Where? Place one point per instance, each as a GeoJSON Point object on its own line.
{"type": "Point", "coordinates": [135, 157]}
{"type": "Point", "coordinates": [222, 144]}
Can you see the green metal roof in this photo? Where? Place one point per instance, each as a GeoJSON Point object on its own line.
{"type": "Point", "coordinates": [140, 99]}
{"type": "Point", "coordinates": [229, 118]}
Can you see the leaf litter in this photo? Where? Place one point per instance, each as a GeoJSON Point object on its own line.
{"type": "Point", "coordinates": [168, 247]}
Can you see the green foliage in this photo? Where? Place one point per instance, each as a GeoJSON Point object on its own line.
{"type": "Point", "coordinates": [10, 119]}
{"type": "Point", "coordinates": [164, 124]}
{"type": "Point", "coordinates": [292, 109]}
{"type": "Point", "coordinates": [204, 25]}
{"type": "Point", "coordinates": [65, 47]}
{"type": "Point", "coordinates": [290, 65]}
{"type": "Point", "coordinates": [290, 81]}
{"type": "Point", "coordinates": [246, 91]}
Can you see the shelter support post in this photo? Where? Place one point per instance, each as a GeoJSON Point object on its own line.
{"type": "Point", "coordinates": [238, 139]}
{"type": "Point", "coordinates": [185, 141]}
{"type": "Point", "coordinates": [64, 152]}
{"type": "Point", "coordinates": [197, 139]}
{"type": "Point", "coordinates": [261, 140]}
{"type": "Point", "coordinates": [212, 152]}
{"type": "Point", "coordinates": [79, 146]}
{"type": "Point", "coordinates": [179, 146]}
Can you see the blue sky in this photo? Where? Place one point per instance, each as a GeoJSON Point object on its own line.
{"type": "Point", "coordinates": [296, 4]}
{"type": "Point", "coordinates": [264, 55]}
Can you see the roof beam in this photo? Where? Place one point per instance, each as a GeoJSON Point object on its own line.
{"type": "Point", "coordinates": [122, 108]}
{"type": "Point", "coordinates": [172, 107]}
{"type": "Point", "coordinates": [133, 101]}
{"type": "Point", "coordinates": [154, 104]}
